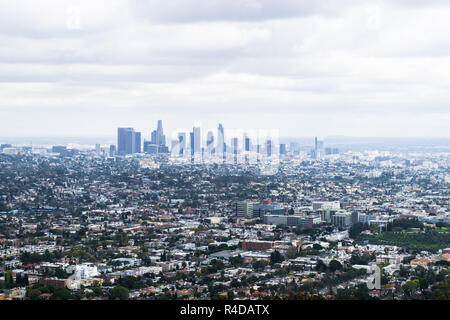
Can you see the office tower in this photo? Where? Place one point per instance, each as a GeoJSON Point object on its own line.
{"type": "Point", "coordinates": [128, 141]}
{"type": "Point", "coordinates": [112, 150]}
{"type": "Point", "coordinates": [62, 150]}
{"type": "Point", "coordinates": [159, 139]}
{"type": "Point", "coordinates": [269, 148]}
{"type": "Point", "coordinates": [247, 144]}
{"type": "Point", "coordinates": [154, 137]}
{"type": "Point", "coordinates": [191, 135]}
{"type": "Point", "coordinates": [293, 147]}
{"type": "Point", "coordinates": [210, 142]}
{"type": "Point", "coordinates": [182, 142]}
{"type": "Point", "coordinates": [341, 219]}
{"type": "Point", "coordinates": [161, 136]}
{"type": "Point", "coordinates": [150, 148]}
{"type": "Point", "coordinates": [244, 209]}
{"type": "Point", "coordinates": [315, 152]}
{"type": "Point", "coordinates": [282, 149]}
{"type": "Point", "coordinates": [97, 148]}
{"type": "Point", "coordinates": [318, 148]}
{"type": "Point", "coordinates": [315, 144]}
{"type": "Point", "coordinates": [163, 149]}
{"type": "Point", "coordinates": [331, 151]}
{"type": "Point", "coordinates": [137, 142]}
{"type": "Point", "coordinates": [125, 140]}
{"type": "Point", "coordinates": [196, 140]}
{"type": "Point", "coordinates": [234, 145]}
{"type": "Point", "coordinates": [220, 149]}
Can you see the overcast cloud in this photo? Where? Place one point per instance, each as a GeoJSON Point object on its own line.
{"type": "Point", "coordinates": [354, 68]}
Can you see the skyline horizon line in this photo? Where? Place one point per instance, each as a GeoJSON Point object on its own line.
{"type": "Point", "coordinates": [283, 137]}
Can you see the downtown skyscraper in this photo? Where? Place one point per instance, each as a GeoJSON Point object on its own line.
{"type": "Point", "coordinates": [158, 138]}
{"type": "Point", "coordinates": [128, 141]}
{"type": "Point", "coordinates": [220, 150]}
{"type": "Point", "coordinates": [157, 143]}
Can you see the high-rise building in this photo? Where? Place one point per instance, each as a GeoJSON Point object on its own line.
{"type": "Point", "coordinates": [158, 138]}
{"type": "Point", "coordinates": [125, 141]}
{"type": "Point", "coordinates": [150, 148]}
{"type": "Point", "coordinates": [220, 148]}
{"type": "Point", "coordinates": [318, 148]}
{"type": "Point", "coordinates": [235, 145]}
{"type": "Point", "coordinates": [341, 219]}
{"type": "Point", "coordinates": [192, 147]}
{"type": "Point", "coordinates": [154, 137]}
{"type": "Point", "coordinates": [267, 207]}
{"type": "Point", "coordinates": [247, 144]}
{"type": "Point", "coordinates": [128, 141]}
{"type": "Point", "coordinates": [293, 147]}
{"type": "Point", "coordinates": [282, 149]}
{"type": "Point", "coordinates": [315, 144]}
{"type": "Point", "coordinates": [112, 150]}
{"type": "Point", "coordinates": [326, 205]}
{"type": "Point", "coordinates": [182, 142]}
{"type": "Point", "coordinates": [210, 142]}
{"type": "Point", "coordinates": [137, 142]}
{"type": "Point", "coordinates": [161, 136]}
{"type": "Point", "coordinates": [331, 151]}
{"type": "Point", "coordinates": [196, 140]}
{"type": "Point", "coordinates": [62, 150]}
{"type": "Point", "coordinates": [269, 148]}
{"type": "Point", "coordinates": [244, 209]}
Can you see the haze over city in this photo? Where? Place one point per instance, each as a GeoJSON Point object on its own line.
{"type": "Point", "coordinates": [224, 158]}
{"type": "Point", "coordinates": [351, 68]}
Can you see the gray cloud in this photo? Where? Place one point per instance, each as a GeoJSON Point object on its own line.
{"type": "Point", "coordinates": [160, 11]}
{"type": "Point", "coordinates": [307, 67]}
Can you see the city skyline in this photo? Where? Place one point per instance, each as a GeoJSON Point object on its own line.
{"type": "Point", "coordinates": [349, 69]}
{"type": "Point", "coordinates": [216, 158]}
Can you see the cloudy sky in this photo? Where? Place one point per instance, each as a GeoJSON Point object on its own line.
{"type": "Point", "coordinates": [353, 68]}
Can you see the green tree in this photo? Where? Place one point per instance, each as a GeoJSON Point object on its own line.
{"type": "Point", "coordinates": [34, 294]}
{"type": "Point", "coordinates": [9, 280]}
{"type": "Point", "coordinates": [119, 293]}
{"type": "Point", "coordinates": [62, 294]}
{"type": "Point", "coordinates": [335, 265]}
{"type": "Point", "coordinates": [276, 257]}
{"type": "Point", "coordinates": [292, 252]}
{"type": "Point", "coordinates": [317, 246]}
{"type": "Point", "coordinates": [410, 287]}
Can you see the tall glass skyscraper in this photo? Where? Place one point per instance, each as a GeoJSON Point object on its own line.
{"type": "Point", "coordinates": [158, 138]}
{"type": "Point", "coordinates": [196, 140]}
{"type": "Point", "coordinates": [210, 142]}
{"type": "Point", "coordinates": [220, 149]}
{"type": "Point", "coordinates": [182, 142]}
{"type": "Point", "coordinates": [128, 141]}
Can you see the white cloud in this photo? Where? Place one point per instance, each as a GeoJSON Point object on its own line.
{"type": "Point", "coordinates": [278, 62]}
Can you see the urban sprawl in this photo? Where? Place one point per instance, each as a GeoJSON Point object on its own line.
{"type": "Point", "coordinates": [204, 219]}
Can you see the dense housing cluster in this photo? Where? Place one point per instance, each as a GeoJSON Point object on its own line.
{"type": "Point", "coordinates": [89, 226]}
